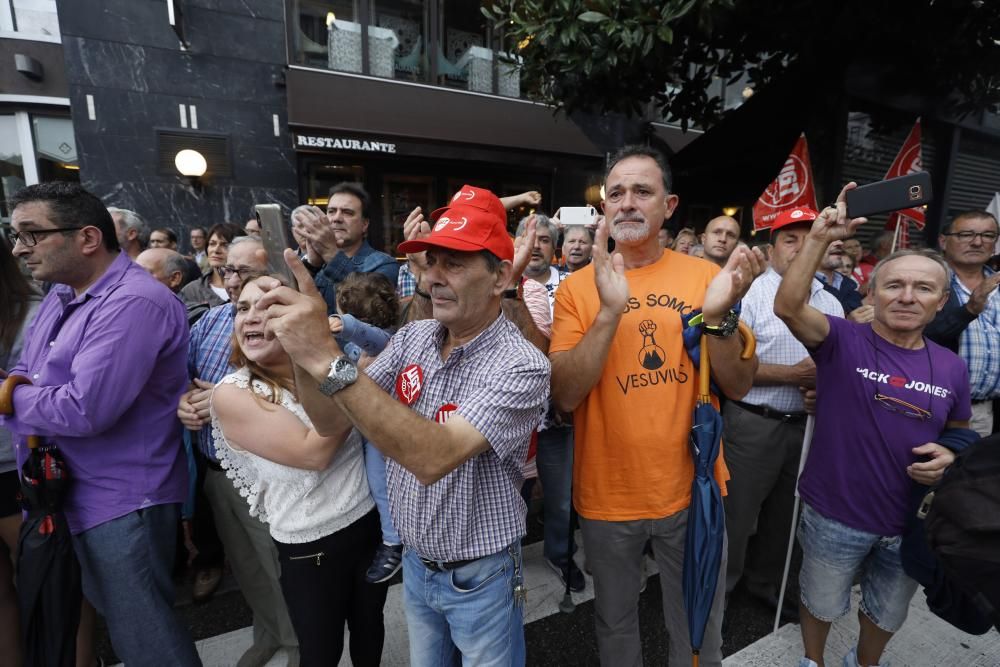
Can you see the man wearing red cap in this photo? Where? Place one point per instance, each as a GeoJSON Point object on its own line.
{"type": "Point", "coordinates": [764, 430]}
{"type": "Point", "coordinates": [619, 364]}
{"type": "Point", "coordinates": [451, 402]}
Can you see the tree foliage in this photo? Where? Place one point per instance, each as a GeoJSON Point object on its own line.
{"type": "Point", "coordinates": [658, 58]}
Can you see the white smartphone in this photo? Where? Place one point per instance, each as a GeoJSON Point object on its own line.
{"type": "Point", "coordinates": [275, 237]}
{"type": "Point", "coordinates": [577, 215]}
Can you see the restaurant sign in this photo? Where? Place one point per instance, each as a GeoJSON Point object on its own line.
{"type": "Point", "coordinates": [305, 141]}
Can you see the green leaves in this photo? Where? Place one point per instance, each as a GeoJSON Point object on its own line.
{"type": "Point", "coordinates": [593, 17]}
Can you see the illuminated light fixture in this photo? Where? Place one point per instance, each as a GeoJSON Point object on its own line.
{"type": "Point", "coordinates": [71, 167]}
{"type": "Point", "coordinates": [192, 166]}
{"type": "Point", "coordinates": [523, 44]}
{"type": "Point", "coordinates": [747, 92]}
{"type": "Point", "coordinates": [602, 193]}
{"type": "Point", "coordinates": [191, 163]}
{"type": "Point", "coordinates": [330, 18]}
{"type": "Point", "coordinates": [731, 211]}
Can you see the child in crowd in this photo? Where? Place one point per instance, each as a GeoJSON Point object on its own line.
{"type": "Point", "coordinates": [368, 309]}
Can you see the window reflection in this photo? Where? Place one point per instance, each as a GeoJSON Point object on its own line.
{"type": "Point", "coordinates": [11, 166]}
{"type": "Point", "coordinates": [55, 149]}
{"type": "Point", "coordinates": [396, 39]}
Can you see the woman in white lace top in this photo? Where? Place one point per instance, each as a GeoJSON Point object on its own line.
{"type": "Point", "coordinates": [316, 505]}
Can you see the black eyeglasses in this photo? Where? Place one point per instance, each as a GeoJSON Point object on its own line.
{"type": "Point", "coordinates": [244, 273]}
{"type": "Point", "coordinates": [30, 239]}
{"type": "Point", "coordinates": [967, 236]}
{"type": "Point", "coordinates": [898, 405]}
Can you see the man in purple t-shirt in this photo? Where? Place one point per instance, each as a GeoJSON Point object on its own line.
{"type": "Point", "coordinates": [106, 359]}
{"type": "Point", "coordinates": [885, 394]}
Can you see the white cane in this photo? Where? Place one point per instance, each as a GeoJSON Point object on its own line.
{"type": "Point", "coordinates": [806, 443]}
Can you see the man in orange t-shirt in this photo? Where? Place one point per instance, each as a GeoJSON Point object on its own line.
{"type": "Point", "coordinates": [619, 363]}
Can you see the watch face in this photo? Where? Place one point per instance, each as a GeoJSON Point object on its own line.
{"type": "Point", "coordinates": [345, 370]}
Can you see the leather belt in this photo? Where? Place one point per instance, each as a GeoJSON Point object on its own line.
{"type": "Point", "coordinates": [443, 566]}
{"type": "Point", "coordinates": [770, 413]}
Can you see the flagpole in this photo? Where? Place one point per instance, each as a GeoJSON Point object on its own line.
{"type": "Point", "coordinates": [895, 234]}
{"type": "Point", "coordinates": [806, 444]}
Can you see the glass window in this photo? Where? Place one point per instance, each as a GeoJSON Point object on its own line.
{"type": "Point", "coordinates": [37, 17]}
{"type": "Point", "coordinates": [468, 56]}
{"type": "Point", "coordinates": [401, 194]}
{"type": "Point", "coordinates": [322, 177]}
{"type": "Point", "coordinates": [11, 166]}
{"type": "Point", "coordinates": [398, 39]}
{"type": "Point", "coordinates": [313, 23]}
{"type": "Point", "coordinates": [55, 149]}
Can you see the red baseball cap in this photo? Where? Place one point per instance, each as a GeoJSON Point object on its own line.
{"type": "Point", "coordinates": [474, 220]}
{"type": "Point", "coordinates": [793, 216]}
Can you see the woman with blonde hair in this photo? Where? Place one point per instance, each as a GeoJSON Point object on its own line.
{"type": "Point", "coordinates": [309, 488]}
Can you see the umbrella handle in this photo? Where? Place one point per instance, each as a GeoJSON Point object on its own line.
{"type": "Point", "coordinates": [704, 370]}
{"type": "Point", "coordinates": [7, 392]}
{"type": "Point", "coordinates": [7, 403]}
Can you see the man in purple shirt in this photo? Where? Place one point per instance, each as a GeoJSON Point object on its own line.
{"type": "Point", "coordinates": [106, 358]}
{"type": "Point", "coordinates": [891, 408]}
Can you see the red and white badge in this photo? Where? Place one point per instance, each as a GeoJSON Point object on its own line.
{"type": "Point", "coordinates": [445, 412]}
{"type": "Point", "coordinates": [409, 383]}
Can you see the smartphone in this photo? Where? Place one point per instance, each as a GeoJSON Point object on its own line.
{"type": "Point", "coordinates": [893, 194]}
{"type": "Point", "coordinates": [276, 237]}
{"type": "Point", "coordinates": [577, 215]}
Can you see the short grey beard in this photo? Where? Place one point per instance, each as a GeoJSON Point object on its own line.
{"type": "Point", "coordinates": [630, 234]}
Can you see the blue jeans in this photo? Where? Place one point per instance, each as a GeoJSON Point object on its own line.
{"type": "Point", "coordinates": [834, 554]}
{"type": "Point", "coordinates": [465, 616]}
{"type": "Point", "coordinates": [555, 470]}
{"type": "Point", "coordinates": [375, 468]}
{"type": "Point", "coordinates": [126, 566]}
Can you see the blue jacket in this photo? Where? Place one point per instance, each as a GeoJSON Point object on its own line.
{"type": "Point", "coordinates": [366, 260]}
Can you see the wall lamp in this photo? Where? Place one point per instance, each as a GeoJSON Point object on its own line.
{"type": "Point", "coordinates": [192, 166]}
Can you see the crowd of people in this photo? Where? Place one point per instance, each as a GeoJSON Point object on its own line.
{"type": "Point", "coordinates": [373, 416]}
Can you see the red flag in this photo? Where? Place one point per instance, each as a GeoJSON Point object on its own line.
{"type": "Point", "coordinates": [793, 187]}
{"type": "Point", "coordinates": [908, 161]}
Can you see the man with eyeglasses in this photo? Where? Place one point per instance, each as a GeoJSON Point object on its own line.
{"type": "Point", "coordinates": [247, 542]}
{"type": "Point", "coordinates": [105, 361]}
{"type": "Point", "coordinates": [970, 322]}
{"type": "Point", "coordinates": [891, 408]}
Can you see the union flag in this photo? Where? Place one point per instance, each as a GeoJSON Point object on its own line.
{"type": "Point", "coordinates": [908, 161]}
{"type": "Point", "coordinates": [792, 187]}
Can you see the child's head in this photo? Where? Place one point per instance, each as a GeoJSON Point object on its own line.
{"type": "Point", "coordinates": [370, 297]}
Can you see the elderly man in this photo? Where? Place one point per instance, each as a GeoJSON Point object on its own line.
{"type": "Point", "coordinates": [970, 322]}
{"type": "Point", "coordinates": [108, 403]}
{"type": "Point", "coordinates": [252, 554]}
{"type": "Point", "coordinates": [764, 431]}
{"type": "Point", "coordinates": [578, 242]}
{"type": "Point", "coordinates": [336, 242]}
{"type": "Point", "coordinates": [888, 403]}
{"type": "Point", "coordinates": [720, 238]}
{"type": "Point", "coordinates": [131, 229]}
{"type": "Point", "coordinates": [618, 362]}
{"type": "Point", "coordinates": [167, 266]}
{"type": "Point", "coordinates": [451, 402]}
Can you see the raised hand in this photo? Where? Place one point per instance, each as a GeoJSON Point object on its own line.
{"type": "Point", "coordinates": [832, 223]}
{"type": "Point", "coordinates": [522, 251]}
{"type": "Point", "coordinates": [312, 224]}
{"type": "Point", "coordinates": [732, 283]}
{"type": "Point", "coordinates": [981, 295]}
{"type": "Point", "coordinates": [609, 273]}
{"type": "Point", "coordinates": [298, 319]}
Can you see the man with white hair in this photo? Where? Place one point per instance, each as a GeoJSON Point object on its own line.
{"type": "Point", "coordinates": [131, 229]}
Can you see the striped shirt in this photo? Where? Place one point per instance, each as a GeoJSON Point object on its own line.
{"type": "Point", "coordinates": [979, 344]}
{"type": "Point", "coordinates": [775, 342]}
{"type": "Point", "coordinates": [208, 359]}
{"type": "Point", "coordinates": [499, 383]}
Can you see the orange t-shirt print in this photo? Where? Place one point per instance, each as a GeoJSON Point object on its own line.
{"type": "Point", "coordinates": [632, 459]}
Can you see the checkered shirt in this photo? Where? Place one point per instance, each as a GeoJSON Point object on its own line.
{"type": "Point", "coordinates": [775, 343]}
{"type": "Point", "coordinates": [406, 282]}
{"type": "Point", "coordinates": [979, 344]}
{"type": "Point", "coordinates": [208, 358]}
{"type": "Point", "coordinates": [499, 383]}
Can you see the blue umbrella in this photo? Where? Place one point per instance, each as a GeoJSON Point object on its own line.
{"type": "Point", "coordinates": [706, 525]}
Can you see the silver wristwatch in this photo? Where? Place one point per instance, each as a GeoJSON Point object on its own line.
{"type": "Point", "coordinates": [343, 373]}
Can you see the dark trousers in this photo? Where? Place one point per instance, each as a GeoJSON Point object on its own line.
{"type": "Point", "coordinates": [324, 586]}
{"type": "Point", "coordinates": [203, 532]}
{"type": "Point", "coordinates": [762, 455]}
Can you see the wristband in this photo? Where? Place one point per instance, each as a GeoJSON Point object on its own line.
{"type": "Point", "coordinates": [511, 293]}
{"type": "Point", "coordinates": [724, 330]}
